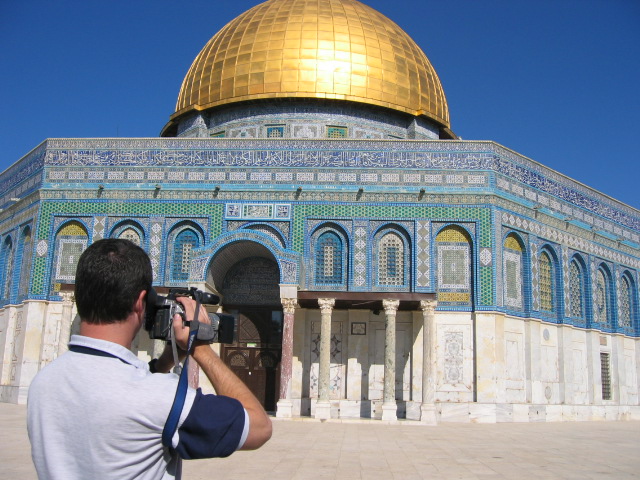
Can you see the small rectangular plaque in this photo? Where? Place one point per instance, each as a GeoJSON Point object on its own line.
{"type": "Point", "coordinates": [358, 328]}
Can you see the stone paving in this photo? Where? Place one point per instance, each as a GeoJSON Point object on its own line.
{"type": "Point", "coordinates": [307, 449]}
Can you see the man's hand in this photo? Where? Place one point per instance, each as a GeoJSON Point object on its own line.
{"type": "Point", "coordinates": [182, 331]}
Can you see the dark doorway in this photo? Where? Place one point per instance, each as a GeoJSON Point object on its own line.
{"type": "Point", "coordinates": [255, 356]}
{"type": "Point", "coordinates": [251, 292]}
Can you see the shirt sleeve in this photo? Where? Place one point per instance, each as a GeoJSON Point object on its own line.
{"type": "Point", "coordinates": [214, 427]}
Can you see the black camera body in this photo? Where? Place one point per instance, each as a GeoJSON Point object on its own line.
{"type": "Point", "coordinates": [161, 310]}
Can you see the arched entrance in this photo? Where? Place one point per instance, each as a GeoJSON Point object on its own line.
{"type": "Point", "coordinates": [248, 278]}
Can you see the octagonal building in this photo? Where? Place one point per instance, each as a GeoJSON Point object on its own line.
{"type": "Point", "coordinates": [377, 265]}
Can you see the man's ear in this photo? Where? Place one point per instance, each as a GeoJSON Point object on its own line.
{"type": "Point", "coordinates": [140, 304]}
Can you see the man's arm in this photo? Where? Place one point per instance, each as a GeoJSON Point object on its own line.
{"type": "Point", "coordinates": [227, 383]}
{"type": "Point", "coordinates": [223, 379]}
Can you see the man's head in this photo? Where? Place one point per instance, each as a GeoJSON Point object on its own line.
{"type": "Point", "coordinates": [111, 274]}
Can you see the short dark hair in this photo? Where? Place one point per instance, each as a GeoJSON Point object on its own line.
{"type": "Point", "coordinates": [111, 274]}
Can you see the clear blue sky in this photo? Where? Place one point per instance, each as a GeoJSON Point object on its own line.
{"type": "Point", "coordinates": [555, 80]}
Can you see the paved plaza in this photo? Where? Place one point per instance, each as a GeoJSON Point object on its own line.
{"type": "Point", "coordinates": [306, 449]}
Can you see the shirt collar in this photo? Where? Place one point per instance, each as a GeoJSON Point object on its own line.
{"type": "Point", "coordinates": [114, 349]}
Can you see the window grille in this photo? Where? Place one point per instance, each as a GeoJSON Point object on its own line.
{"type": "Point", "coordinates": [71, 242]}
{"type": "Point", "coordinates": [329, 259]}
{"type": "Point", "coordinates": [337, 132]}
{"type": "Point", "coordinates": [131, 235]}
{"type": "Point", "coordinates": [601, 307]}
{"type": "Point", "coordinates": [391, 260]}
{"type": "Point", "coordinates": [512, 272]}
{"type": "Point", "coordinates": [453, 265]}
{"type": "Point", "coordinates": [25, 263]}
{"type": "Point", "coordinates": [624, 314]}
{"type": "Point", "coordinates": [7, 267]}
{"type": "Point", "coordinates": [275, 132]}
{"type": "Point", "coordinates": [545, 271]}
{"type": "Point", "coordinates": [575, 291]}
{"type": "Point", "coordinates": [183, 247]}
{"type": "Point", "coordinates": [605, 369]}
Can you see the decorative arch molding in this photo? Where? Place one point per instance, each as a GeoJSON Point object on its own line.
{"type": "Point", "coordinates": [61, 223]}
{"type": "Point", "coordinates": [267, 229]}
{"type": "Point", "coordinates": [120, 227]}
{"type": "Point", "coordinates": [204, 258]}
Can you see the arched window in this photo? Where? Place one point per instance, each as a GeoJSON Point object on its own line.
{"type": "Point", "coordinates": [25, 262]}
{"type": "Point", "coordinates": [391, 260]}
{"type": "Point", "coordinates": [576, 290]}
{"type": "Point", "coordinates": [328, 259]}
{"type": "Point", "coordinates": [183, 246]}
{"type": "Point", "coordinates": [546, 283]}
{"type": "Point", "coordinates": [602, 299]}
{"type": "Point", "coordinates": [625, 309]}
{"type": "Point", "coordinates": [6, 267]}
{"type": "Point", "coordinates": [130, 234]}
{"type": "Point", "coordinates": [71, 241]}
{"type": "Point", "coordinates": [512, 272]}
{"type": "Point", "coordinates": [453, 250]}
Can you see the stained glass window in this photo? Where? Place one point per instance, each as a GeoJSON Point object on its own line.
{"type": "Point", "coordinates": [545, 270]}
{"type": "Point", "coordinates": [601, 301]}
{"type": "Point", "coordinates": [329, 259]}
{"type": "Point", "coordinates": [183, 247]}
{"type": "Point", "coordinates": [512, 272]}
{"type": "Point", "coordinates": [391, 260]}
{"type": "Point", "coordinates": [624, 313]}
{"type": "Point", "coordinates": [575, 291]}
{"type": "Point", "coordinates": [25, 262]}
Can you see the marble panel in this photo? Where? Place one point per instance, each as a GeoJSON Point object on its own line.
{"type": "Point", "coordinates": [454, 412]}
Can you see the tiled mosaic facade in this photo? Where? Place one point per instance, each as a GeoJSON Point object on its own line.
{"type": "Point", "coordinates": [284, 193]}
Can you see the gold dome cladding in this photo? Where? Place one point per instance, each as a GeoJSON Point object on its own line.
{"type": "Point", "coordinates": [337, 49]}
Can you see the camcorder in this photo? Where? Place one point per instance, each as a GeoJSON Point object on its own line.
{"type": "Point", "coordinates": [161, 310]}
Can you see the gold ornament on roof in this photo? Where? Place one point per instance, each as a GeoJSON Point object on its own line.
{"type": "Point", "coordinates": [325, 49]}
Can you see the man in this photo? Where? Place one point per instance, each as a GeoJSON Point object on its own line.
{"type": "Point", "coordinates": [98, 412]}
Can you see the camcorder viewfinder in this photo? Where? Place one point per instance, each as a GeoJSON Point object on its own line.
{"type": "Point", "coordinates": [161, 310]}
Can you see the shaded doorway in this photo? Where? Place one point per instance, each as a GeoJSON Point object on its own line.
{"type": "Point", "coordinates": [251, 291]}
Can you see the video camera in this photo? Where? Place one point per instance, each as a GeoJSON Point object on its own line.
{"type": "Point", "coordinates": [161, 310]}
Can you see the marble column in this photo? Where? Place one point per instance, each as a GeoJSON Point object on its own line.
{"type": "Point", "coordinates": [428, 408]}
{"type": "Point", "coordinates": [285, 405]}
{"type": "Point", "coordinates": [389, 406]}
{"type": "Point", "coordinates": [323, 406]}
{"type": "Point", "coordinates": [64, 335]}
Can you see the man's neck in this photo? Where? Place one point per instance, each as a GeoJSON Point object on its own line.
{"type": "Point", "coordinates": [121, 332]}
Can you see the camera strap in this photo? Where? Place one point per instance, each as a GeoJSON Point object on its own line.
{"type": "Point", "coordinates": [171, 425]}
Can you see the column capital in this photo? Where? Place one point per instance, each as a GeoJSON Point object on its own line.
{"type": "Point", "coordinates": [428, 306]}
{"type": "Point", "coordinates": [67, 297]}
{"type": "Point", "coordinates": [289, 305]}
{"type": "Point", "coordinates": [390, 306]}
{"type": "Point", "coordinates": [326, 304]}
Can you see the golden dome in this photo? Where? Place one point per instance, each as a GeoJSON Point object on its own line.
{"type": "Point", "coordinates": [336, 49]}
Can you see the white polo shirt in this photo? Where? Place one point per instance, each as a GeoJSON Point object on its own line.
{"type": "Point", "coordinates": [99, 413]}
